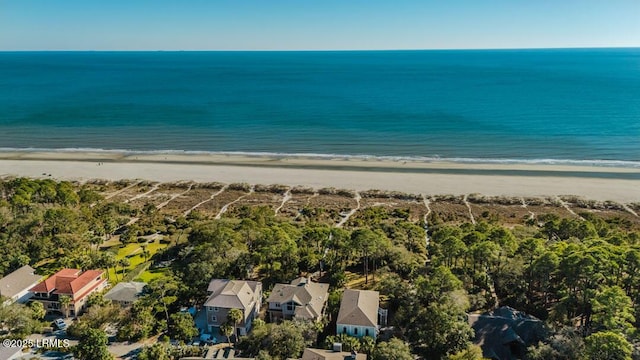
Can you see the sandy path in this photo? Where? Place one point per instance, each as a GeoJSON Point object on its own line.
{"type": "Point", "coordinates": [154, 188]}
{"type": "Point", "coordinates": [466, 202]}
{"type": "Point", "coordinates": [426, 202]}
{"type": "Point", "coordinates": [353, 211]}
{"type": "Point", "coordinates": [532, 215]}
{"type": "Point", "coordinates": [122, 190]}
{"type": "Point", "coordinates": [213, 196]}
{"type": "Point", "coordinates": [226, 207]}
{"type": "Point", "coordinates": [160, 206]}
{"type": "Point", "coordinates": [564, 205]}
{"type": "Point", "coordinates": [286, 197]}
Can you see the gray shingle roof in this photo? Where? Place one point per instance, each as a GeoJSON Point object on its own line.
{"type": "Point", "coordinates": [504, 329]}
{"type": "Point", "coordinates": [125, 291]}
{"type": "Point", "coordinates": [232, 294]}
{"type": "Point", "coordinates": [18, 281]}
{"type": "Point", "coordinates": [359, 307]}
{"type": "Point", "coordinates": [310, 297]}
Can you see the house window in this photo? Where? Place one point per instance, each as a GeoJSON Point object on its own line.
{"type": "Point", "coordinates": [366, 332]}
{"type": "Point", "coordinates": [290, 307]}
{"type": "Point", "coordinates": [344, 329]}
{"type": "Point", "coordinates": [214, 318]}
{"type": "Point", "coordinates": [277, 305]}
{"type": "Point", "coordinates": [215, 309]}
{"type": "Point", "coordinates": [355, 331]}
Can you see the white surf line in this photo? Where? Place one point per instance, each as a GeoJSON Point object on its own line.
{"type": "Point", "coordinates": [532, 215]}
{"type": "Point", "coordinates": [286, 197]}
{"type": "Point", "coordinates": [353, 211]}
{"type": "Point", "coordinates": [426, 217]}
{"type": "Point", "coordinates": [154, 188]}
{"type": "Point", "coordinates": [564, 205]}
{"type": "Point", "coordinates": [160, 206]}
{"type": "Point", "coordinates": [626, 207]}
{"type": "Point", "coordinates": [206, 201]}
{"type": "Point", "coordinates": [122, 190]}
{"type": "Point", "coordinates": [473, 220]}
{"type": "Point", "coordinates": [224, 208]}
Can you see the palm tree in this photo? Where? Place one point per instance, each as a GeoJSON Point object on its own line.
{"type": "Point", "coordinates": [367, 344]}
{"type": "Point", "coordinates": [227, 329]}
{"type": "Point", "coordinates": [124, 263]}
{"type": "Point", "coordinates": [65, 301]}
{"type": "Point", "coordinates": [145, 252]}
{"type": "Point", "coordinates": [109, 261]}
{"type": "Point", "coordinates": [234, 317]}
{"type": "Point", "coordinates": [95, 242]}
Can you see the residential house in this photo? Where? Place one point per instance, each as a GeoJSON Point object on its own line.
{"type": "Point", "coordinates": [336, 354]}
{"type": "Point", "coordinates": [73, 283]}
{"type": "Point", "coordinates": [358, 314]}
{"type": "Point", "coordinates": [233, 294]}
{"type": "Point", "coordinates": [15, 286]}
{"type": "Point", "coordinates": [505, 333]}
{"type": "Point", "coordinates": [302, 299]}
{"type": "Point", "coordinates": [125, 293]}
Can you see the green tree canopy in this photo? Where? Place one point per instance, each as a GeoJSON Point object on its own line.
{"type": "Point", "coordinates": [607, 345]}
{"type": "Point", "coordinates": [394, 349]}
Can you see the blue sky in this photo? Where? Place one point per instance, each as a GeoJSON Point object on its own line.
{"type": "Point", "coordinates": [316, 24]}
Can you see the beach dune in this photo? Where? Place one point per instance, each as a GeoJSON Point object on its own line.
{"type": "Point", "coordinates": [429, 178]}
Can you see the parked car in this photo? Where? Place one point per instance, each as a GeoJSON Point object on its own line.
{"type": "Point", "coordinates": [60, 324]}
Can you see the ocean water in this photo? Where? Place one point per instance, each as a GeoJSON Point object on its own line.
{"type": "Point", "coordinates": [571, 105]}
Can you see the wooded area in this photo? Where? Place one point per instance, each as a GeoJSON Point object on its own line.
{"type": "Point", "coordinates": [572, 263]}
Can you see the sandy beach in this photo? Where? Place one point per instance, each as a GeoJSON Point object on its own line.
{"type": "Point", "coordinates": [429, 178]}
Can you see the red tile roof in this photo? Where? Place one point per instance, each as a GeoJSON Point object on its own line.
{"type": "Point", "coordinates": [69, 282]}
{"type": "Point", "coordinates": [52, 282]}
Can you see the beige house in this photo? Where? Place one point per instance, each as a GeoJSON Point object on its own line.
{"type": "Point", "coordinates": [358, 315]}
{"type": "Point", "coordinates": [302, 299]}
{"type": "Point", "coordinates": [73, 283]}
{"type": "Point", "coordinates": [15, 286]}
{"type": "Point", "coordinates": [233, 294]}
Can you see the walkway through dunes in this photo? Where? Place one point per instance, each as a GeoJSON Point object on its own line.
{"type": "Point", "coordinates": [146, 194]}
{"type": "Point", "coordinates": [350, 213]}
{"type": "Point", "coordinates": [285, 197]}
{"type": "Point", "coordinates": [213, 196]}
{"type": "Point", "coordinates": [466, 202]}
{"type": "Point", "coordinates": [342, 207]}
{"type": "Point", "coordinates": [160, 206]}
{"type": "Point", "coordinates": [426, 220]}
{"type": "Point", "coordinates": [532, 215]}
{"type": "Point", "coordinates": [564, 205]}
{"type": "Point", "coordinates": [630, 210]}
{"type": "Point", "coordinates": [107, 197]}
{"type": "Point", "coordinates": [225, 207]}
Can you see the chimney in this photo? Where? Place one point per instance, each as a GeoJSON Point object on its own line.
{"type": "Point", "coordinates": [337, 347]}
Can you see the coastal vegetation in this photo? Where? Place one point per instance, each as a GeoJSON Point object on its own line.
{"type": "Point", "coordinates": [569, 261]}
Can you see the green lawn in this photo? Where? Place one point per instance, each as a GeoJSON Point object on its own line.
{"type": "Point", "coordinates": [149, 275]}
{"type": "Point", "coordinates": [133, 252]}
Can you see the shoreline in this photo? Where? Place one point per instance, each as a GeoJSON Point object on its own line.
{"type": "Point", "coordinates": [601, 183]}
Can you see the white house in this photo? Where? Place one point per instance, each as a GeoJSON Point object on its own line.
{"type": "Point", "coordinates": [358, 315]}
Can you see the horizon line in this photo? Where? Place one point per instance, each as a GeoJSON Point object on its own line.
{"type": "Point", "coordinates": [327, 50]}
